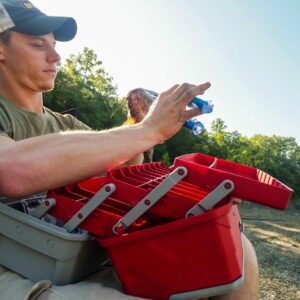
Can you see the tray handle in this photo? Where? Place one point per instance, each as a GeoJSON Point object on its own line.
{"type": "Point", "coordinates": [215, 196]}
{"type": "Point", "coordinates": [89, 207]}
{"type": "Point", "coordinates": [149, 200]}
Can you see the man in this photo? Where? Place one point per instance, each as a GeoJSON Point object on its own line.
{"type": "Point", "coordinates": [37, 144]}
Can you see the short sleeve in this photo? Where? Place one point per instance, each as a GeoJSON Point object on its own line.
{"type": "Point", "coordinates": [80, 125]}
{"type": "Point", "coordinates": [3, 129]}
{"type": "Point", "coordinates": [76, 124]}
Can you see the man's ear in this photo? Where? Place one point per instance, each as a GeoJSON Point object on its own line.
{"type": "Point", "coordinates": [1, 52]}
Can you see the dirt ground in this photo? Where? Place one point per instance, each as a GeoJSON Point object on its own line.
{"type": "Point", "coordinates": [276, 238]}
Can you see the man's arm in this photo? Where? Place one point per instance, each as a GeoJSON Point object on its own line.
{"type": "Point", "coordinates": [48, 161]}
{"type": "Point", "coordinates": [137, 160]}
{"type": "Point", "coordinates": [53, 160]}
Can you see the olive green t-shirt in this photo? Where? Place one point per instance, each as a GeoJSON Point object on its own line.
{"type": "Point", "coordinates": [19, 124]}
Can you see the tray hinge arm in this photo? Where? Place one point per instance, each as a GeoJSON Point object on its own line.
{"type": "Point", "coordinates": [89, 207]}
{"type": "Point", "coordinates": [148, 201]}
{"type": "Point", "coordinates": [216, 195]}
{"type": "Point", "coordinates": [43, 208]}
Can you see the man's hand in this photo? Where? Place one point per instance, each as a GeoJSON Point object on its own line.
{"type": "Point", "coordinates": [169, 111]}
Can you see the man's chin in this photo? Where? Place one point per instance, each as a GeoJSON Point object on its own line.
{"type": "Point", "coordinates": [47, 88]}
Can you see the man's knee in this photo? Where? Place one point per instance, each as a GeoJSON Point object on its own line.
{"type": "Point", "coordinates": [251, 264]}
{"type": "Point", "coordinates": [249, 288]}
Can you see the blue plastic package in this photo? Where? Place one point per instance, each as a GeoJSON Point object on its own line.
{"type": "Point", "coordinates": [205, 107]}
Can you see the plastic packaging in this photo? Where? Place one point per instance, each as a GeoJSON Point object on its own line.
{"type": "Point", "coordinates": [205, 107]}
{"type": "Point", "coordinates": [196, 126]}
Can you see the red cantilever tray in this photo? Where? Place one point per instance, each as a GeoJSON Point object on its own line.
{"type": "Point", "coordinates": [250, 184]}
{"type": "Point", "coordinates": [102, 219]}
{"type": "Point", "coordinates": [132, 185]}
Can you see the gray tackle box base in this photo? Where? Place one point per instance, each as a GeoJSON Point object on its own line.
{"type": "Point", "coordinates": [39, 250]}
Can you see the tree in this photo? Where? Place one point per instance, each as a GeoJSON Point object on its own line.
{"type": "Point", "coordinates": [224, 144]}
{"type": "Point", "coordinates": [218, 126]}
{"type": "Point", "coordinates": [82, 83]}
{"type": "Point", "coordinates": [278, 156]}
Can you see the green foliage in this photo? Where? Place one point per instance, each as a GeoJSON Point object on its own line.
{"type": "Point", "coordinates": [278, 156]}
{"type": "Point", "coordinates": [218, 126]}
{"type": "Point", "coordinates": [82, 83]}
{"type": "Point", "coordinates": [166, 159]}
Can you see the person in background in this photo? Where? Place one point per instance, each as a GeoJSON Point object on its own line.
{"type": "Point", "coordinates": [138, 103]}
{"type": "Point", "coordinates": [36, 144]}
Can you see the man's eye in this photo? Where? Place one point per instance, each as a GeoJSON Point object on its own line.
{"type": "Point", "coordinates": [37, 45]}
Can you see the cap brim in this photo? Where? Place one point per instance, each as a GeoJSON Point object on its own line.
{"type": "Point", "coordinates": [63, 28]}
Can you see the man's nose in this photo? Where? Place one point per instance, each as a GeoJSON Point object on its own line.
{"type": "Point", "coordinates": [53, 56]}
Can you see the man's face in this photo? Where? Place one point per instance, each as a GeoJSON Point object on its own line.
{"type": "Point", "coordinates": [30, 61]}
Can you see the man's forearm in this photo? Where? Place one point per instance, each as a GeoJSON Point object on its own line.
{"type": "Point", "coordinates": [54, 160]}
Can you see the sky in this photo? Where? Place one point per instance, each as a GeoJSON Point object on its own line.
{"type": "Point", "coordinates": [248, 50]}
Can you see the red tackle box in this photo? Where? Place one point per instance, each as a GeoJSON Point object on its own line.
{"type": "Point", "coordinates": [171, 233]}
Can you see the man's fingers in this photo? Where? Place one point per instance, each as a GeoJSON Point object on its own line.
{"type": "Point", "coordinates": [190, 93]}
{"type": "Point", "coordinates": [179, 91]}
{"type": "Point", "coordinates": [189, 114]}
{"type": "Point", "coordinates": [170, 90]}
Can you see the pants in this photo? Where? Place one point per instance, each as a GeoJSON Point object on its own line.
{"type": "Point", "coordinates": [102, 285]}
